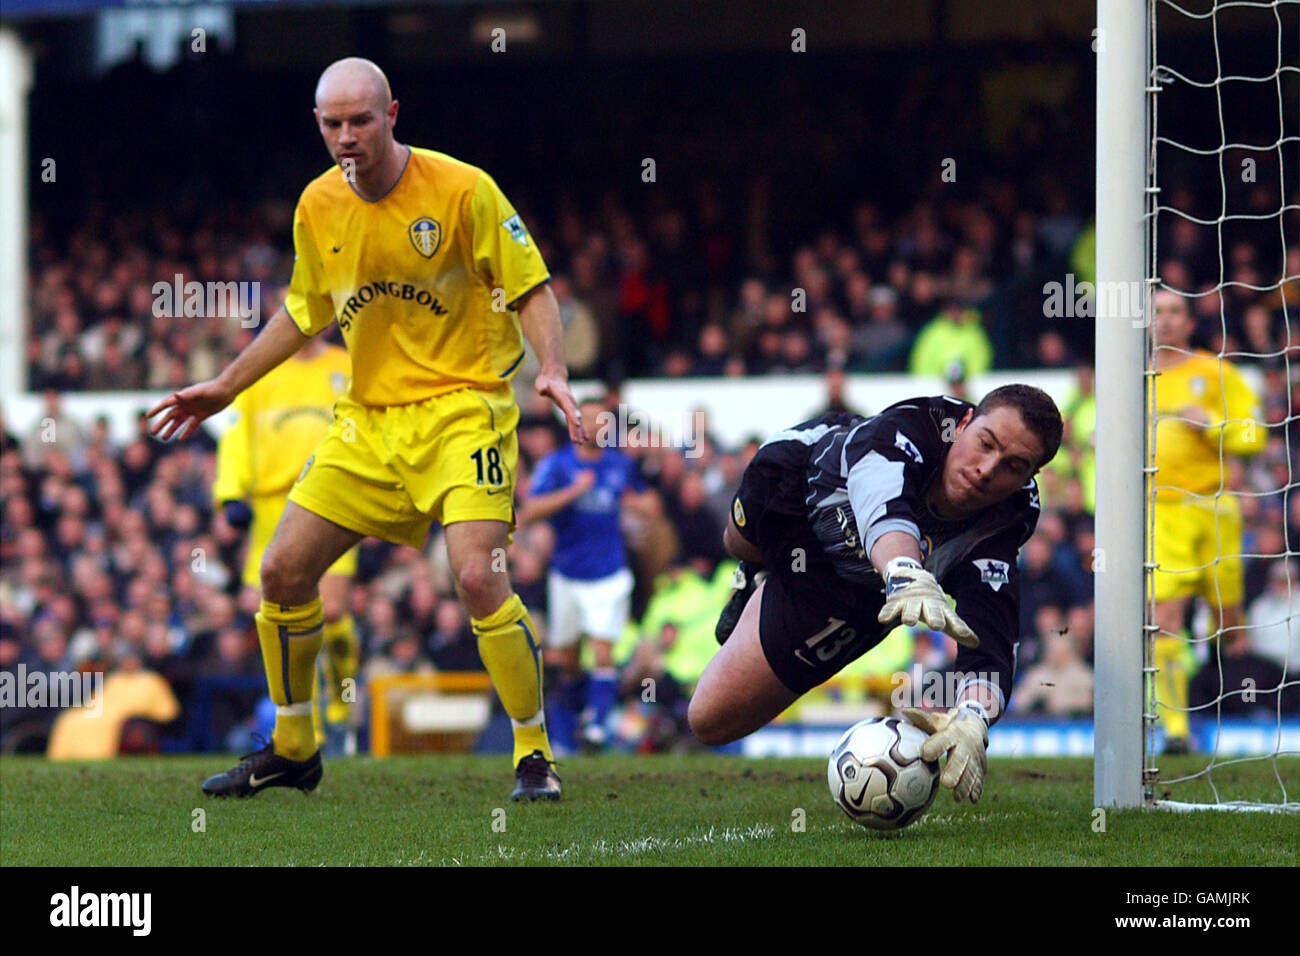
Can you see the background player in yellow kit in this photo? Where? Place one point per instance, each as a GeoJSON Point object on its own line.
{"type": "Point", "coordinates": [432, 276]}
{"type": "Point", "coordinates": [280, 420]}
{"type": "Point", "coordinates": [1204, 411]}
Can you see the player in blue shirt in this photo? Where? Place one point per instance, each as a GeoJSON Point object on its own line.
{"type": "Point", "coordinates": [581, 489]}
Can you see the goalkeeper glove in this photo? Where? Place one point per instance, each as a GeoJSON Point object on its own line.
{"type": "Point", "coordinates": [237, 514]}
{"type": "Point", "coordinates": [912, 594]}
{"type": "Point", "coordinates": [963, 734]}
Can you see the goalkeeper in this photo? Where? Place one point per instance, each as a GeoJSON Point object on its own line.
{"type": "Point", "coordinates": [847, 526]}
{"type": "Point", "coordinates": [279, 421]}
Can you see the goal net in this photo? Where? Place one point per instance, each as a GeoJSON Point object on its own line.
{"type": "Point", "coordinates": [1221, 636]}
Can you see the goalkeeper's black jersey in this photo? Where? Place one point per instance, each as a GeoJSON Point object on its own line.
{"type": "Point", "coordinates": [870, 476]}
{"type": "Point", "coordinates": [866, 477]}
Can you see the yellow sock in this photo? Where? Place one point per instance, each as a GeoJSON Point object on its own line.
{"type": "Point", "coordinates": [290, 639]}
{"type": "Point", "coordinates": [507, 642]}
{"type": "Point", "coordinates": [338, 664]}
{"type": "Point", "coordinates": [1169, 656]}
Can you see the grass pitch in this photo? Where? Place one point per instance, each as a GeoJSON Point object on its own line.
{"type": "Point", "coordinates": [697, 810]}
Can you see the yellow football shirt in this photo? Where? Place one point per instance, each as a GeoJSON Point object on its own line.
{"type": "Point", "coordinates": [280, 419]}
{"type": "Point", "coordinates": [422, 281]}
{"type": "Point", "coordinates": [1186, 456]}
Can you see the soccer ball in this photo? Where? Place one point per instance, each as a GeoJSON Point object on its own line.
{"type": "Point", "coordinates": [877, 776]}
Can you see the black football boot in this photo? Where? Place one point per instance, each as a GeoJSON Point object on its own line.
{"type": "Point", "coordinates": [535, 779]}
{"type": "Point", "coordinates": [262, 769]}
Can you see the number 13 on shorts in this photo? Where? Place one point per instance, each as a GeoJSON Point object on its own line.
{"type": "Point", "coordinates": [823, 650]}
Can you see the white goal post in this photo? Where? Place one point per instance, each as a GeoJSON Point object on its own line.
{"type": "Point", "coordinates": [1123, 146]}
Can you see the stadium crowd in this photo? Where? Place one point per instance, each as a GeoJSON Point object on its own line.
{"type": "Point", "coordinates": [670, 293]}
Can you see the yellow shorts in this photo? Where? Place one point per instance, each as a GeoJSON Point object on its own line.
{"type": "Point", "coordinates": [392, 471]}
{"type": "Point", "coordinates": [266, 515]}
{"type": "Point", "coordinates": [1197, 547]}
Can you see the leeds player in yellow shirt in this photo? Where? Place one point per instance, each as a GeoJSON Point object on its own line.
{"type": "Point", "coordinates": [1204, 411]}
{"type": "Point", "coordinates": [432, 277]}
{"type": "Point", "coordinates": [279, 421]}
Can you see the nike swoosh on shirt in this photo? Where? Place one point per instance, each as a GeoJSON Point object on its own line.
{"type": "Point", "coordinates": [254, 782]}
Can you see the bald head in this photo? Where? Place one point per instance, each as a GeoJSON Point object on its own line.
{"type": "Point", "coordinates": [356, 112]}
{"type": "Point", "coordinates": [354, 79]}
